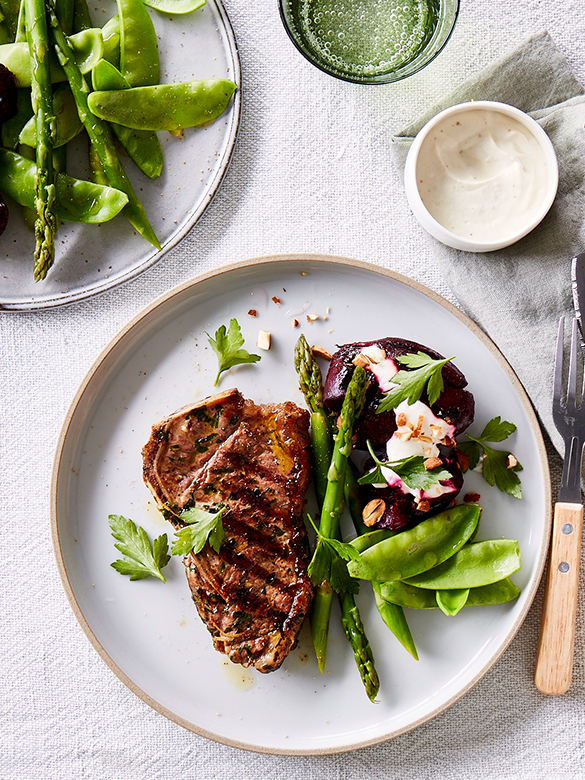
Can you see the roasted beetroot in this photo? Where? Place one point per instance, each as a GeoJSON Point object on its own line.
{"type": "Point", "coordinates": [402, 509]}
{"type": "Point", "coordinates": [455, 405]}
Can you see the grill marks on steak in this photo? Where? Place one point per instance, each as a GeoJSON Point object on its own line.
{"type": "Point", "coordinates": [253, 459]}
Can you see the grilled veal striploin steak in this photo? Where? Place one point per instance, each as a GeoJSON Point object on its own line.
{"type": "Point", "coordinates": [254, 594]}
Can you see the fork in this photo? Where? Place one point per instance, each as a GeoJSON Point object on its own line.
{"type": "Point", "coordinates": [554, 661]}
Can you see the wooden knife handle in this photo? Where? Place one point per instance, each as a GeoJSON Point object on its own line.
{"type": "Point", "coordinates": [554, 660]}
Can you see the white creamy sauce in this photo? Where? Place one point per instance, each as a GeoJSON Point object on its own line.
{"type": "Point", "coordinates": [383, 369]}
{"type": "Point", "coordinates": [418, 435]}
{"type": "Point", "coordinates": [482, 175]}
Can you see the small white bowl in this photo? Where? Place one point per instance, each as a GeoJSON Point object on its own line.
{"type": "Point", "coordinates": [413, 174]}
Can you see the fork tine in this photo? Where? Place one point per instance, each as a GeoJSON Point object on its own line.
{"type": "Point", "coordinates": [572, 389]}
{"type": "Point", "coordinates": [558, 373]}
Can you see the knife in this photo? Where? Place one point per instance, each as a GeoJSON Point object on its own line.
{"type": "Point", "coordinates": [578, 288]}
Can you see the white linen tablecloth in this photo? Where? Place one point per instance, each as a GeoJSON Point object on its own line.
{"type": "Point", "coordinates": [311, 172]}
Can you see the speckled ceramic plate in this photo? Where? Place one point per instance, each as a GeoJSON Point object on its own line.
{"type": "Point", "coordinates": [93, 258]}
{"type": "Point", "coordinates": [150, 635]}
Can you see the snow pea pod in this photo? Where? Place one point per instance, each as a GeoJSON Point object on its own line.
{"type": "Point", "coordinates": [405, 595]}
{"type": "Point", "coordinates": [418, 549]}
{"type": "Point", "coordinates": [451, 602]}
{"type": "Point", "coordinates": [67, 123]}
{"type": "Point", "coordinates": [111, 38]}
{"type": "Point", "coordinates": [164, 106]}
{"type": "Point", "coordinates": [175, 7]}
{"type": "Point", "coordinates": [496, 593]}
{"type": "Point", "coordinates": [365, 541]}
{"type": "Point", "coordinates": [77, 200]}
{"type": "Point", "coordinates": [139, 62]}
{"type": "Point", "coordinates": [87, 47]}
{"type": "Point", "coordinates": [474, 565]}
{"type": "Point", "coordinates": [143, 146]}
{"type": "Point", "coordinates": [393, 615]}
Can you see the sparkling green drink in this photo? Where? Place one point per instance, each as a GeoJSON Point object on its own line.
{"type": "Point", "coordinates": [369, 41]}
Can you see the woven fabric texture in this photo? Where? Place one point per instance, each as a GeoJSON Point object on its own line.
{"type": "Point", "coordinates": [312, 172]}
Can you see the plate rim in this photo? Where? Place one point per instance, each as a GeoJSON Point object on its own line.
{"type": "Point", "coordinates": [148, 311]}
{"type": "Point", "coordinates": [64, 299]}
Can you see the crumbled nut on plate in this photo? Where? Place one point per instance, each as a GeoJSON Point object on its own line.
{"type": "Point", "coordinates": [423, 506]}
{"type": "Point", "coordinates": [511, 462]}
{"type": "Point", "coordinates": [264, 340]}
{"type": "Point", "coordinates": [276, 300]}
{"type": "Point", "coordinates": [312, 317]}
{"type": "Point", "coordinates": [295, 323]}
{"type": "Point", "coordinates": [432, 463]}
{"type": "Point", "coordinates": [252, 312]}
{"type": "Point", "coordinates": [321, 352]}
{"type": "Point", "coordinates": [471, 498]}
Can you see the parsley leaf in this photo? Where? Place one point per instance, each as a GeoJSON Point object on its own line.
{"type": "Point", "coordinates": [140, 560]}
{"type": "Point", "coordinates": [329, 564]}
{"type": "Point", "coordinates": [410, 385]}
{"type": "Point", "coordinates": [227, 346]}
{"type": "Point", "coordinates": [202, 527]}
{"type": "Point", "coordinates": [496, 464]}
{"type": "Point", "coordinates": [411, 471]}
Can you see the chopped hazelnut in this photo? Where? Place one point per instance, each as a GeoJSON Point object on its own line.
{"type": "Point", "coordinates": [373, 511]}
{"type": "Point", "coordinates": [295, 323]}
{"type": "Point", "coordinates": [276, 300]}
{"type": "Point", "coordinates": [512, 462]}
{"type": "Point", "coordinates": [423, 506]}
{"type": "Point", "coordinates": [361, 360]}
{"type": "Point", "coordinates": [321, 352]}
{"type": "Point", "coordinates": [264, 340]}
{"type": "Point", "coordinates": [401, 420]}
{"type": "Point", "coordinates": [312, 317]}
{"type": "Point", "coordinates": [252, 312]}
{"type": "Point", "coordinates": [432, 463]}
{"type": "Point", "coordinates": [471, 498]}
{"type": "Point", "coordinates": [419, 424]}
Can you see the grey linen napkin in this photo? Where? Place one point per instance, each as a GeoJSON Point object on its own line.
{"type": "Point", "coordinates": [517, 294]}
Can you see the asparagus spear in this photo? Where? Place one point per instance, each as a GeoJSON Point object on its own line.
{"type": "Point", "coordinates": [99, 132]}
{"type": "Point", "coordinates": [42, 99]}
{"type": "Point", "coordinates": [311, 386]}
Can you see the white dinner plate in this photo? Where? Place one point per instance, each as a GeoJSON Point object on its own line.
{"type": "Point", "coordinates": [149, 633]}
{"type": "Point", "coordinates": [94, 258]}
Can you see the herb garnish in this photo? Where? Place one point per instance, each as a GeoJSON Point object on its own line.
{"type": "Point", "coordinates": [140, 560]}
{"type": "Point", "coordinates": [227, 346]}
{"type": "Point", "coordinates": [202, 527]}
{"type": "Point", "coordinates": [329, 563]}
{"type": "Point", "coordinates": [411, 471]}
{"type": "Point", "coordinates": [410, 385]}
{"type": "Point", "coordinates": [498, 467]}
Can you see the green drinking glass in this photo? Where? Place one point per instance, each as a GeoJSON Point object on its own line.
{"type": "Point", "coordinates": [369, 41]}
